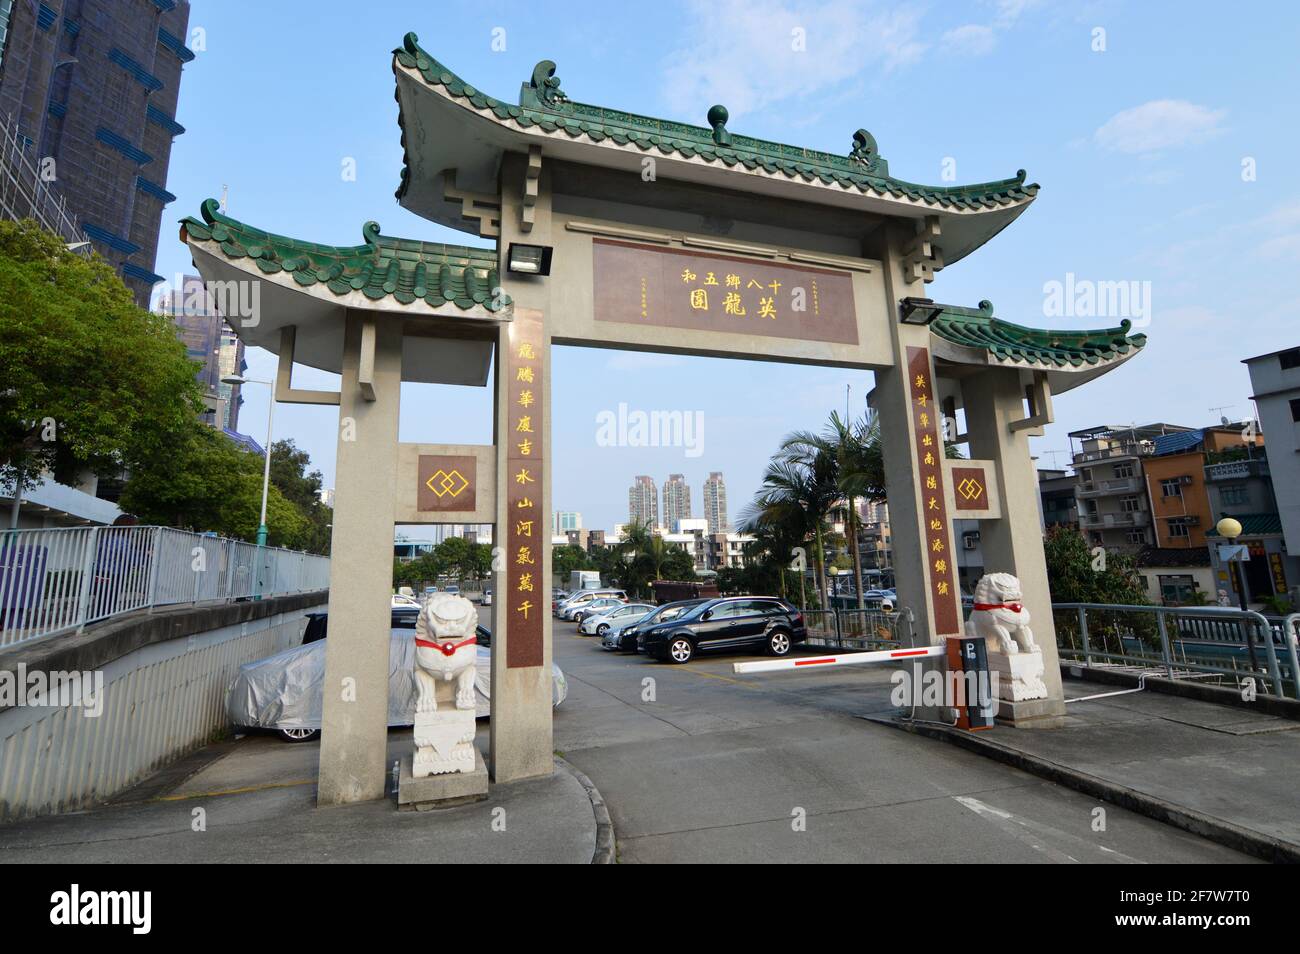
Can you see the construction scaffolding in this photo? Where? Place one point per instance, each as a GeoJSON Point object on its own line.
{"type": "Point", "coordinates": [25, 194]}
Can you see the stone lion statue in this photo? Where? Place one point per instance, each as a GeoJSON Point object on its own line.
{"type": "Point", "coordinates": [999, 615]}
{"type": "Point", "coordinates": [445, 649]}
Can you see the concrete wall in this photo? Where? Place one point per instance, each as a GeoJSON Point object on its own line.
{"type": "Point", "coordinates": [165, 677]}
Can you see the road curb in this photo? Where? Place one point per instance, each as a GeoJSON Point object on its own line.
{"type": "Point", "coordinates": [1225, 833]}
{"type": "Point", "coordinates": [605, 843]}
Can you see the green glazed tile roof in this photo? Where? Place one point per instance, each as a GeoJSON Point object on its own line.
{"type": "Point", "coordinates": [542, 104]}
{"type": "Point", "coordinates": [404, 269]}
{"type": "Point", "coordinates": [1253, 524]}
{"type": "Point", "coordinates": [977, 328]}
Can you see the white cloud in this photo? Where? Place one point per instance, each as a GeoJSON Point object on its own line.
{"type": "Point", "coordinates": [973, 39]}
{"type": "Point", "coordinates": [1009, 11]}
{"type": "Point", "coordinates": [1158, 125]}
{"type": "Point", "coordinates": [747, 57]}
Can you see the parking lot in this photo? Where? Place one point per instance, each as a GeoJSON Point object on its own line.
{"type": "Point", "coordinates": [698, 764]}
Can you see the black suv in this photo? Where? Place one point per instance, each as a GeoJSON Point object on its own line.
{"type": "Point", "coordinates": [624, 641]}
{"type": "Point", "coordinates": [732, 623]}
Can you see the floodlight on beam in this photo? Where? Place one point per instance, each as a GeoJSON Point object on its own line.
{"type": "Point", "coordinates": [919, 311]}
{"type": "Point", "coordinates": [528, 259]}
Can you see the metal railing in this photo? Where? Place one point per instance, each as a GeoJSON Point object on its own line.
{"type": "Point", "coordinates": [846, 628]}
{"type": "Point", "coordinates": [54, 581]}
{"type": "Point", "coordinates": [1203, 639]}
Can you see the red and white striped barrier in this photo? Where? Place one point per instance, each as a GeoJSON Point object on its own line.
{"type": "Point", "coordinates": [840, 659]}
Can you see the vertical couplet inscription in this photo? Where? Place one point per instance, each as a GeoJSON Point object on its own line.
{"type": "Point", "coordinates": [940, 562]}
{"type": "Point", "coordinates": [525, 532]}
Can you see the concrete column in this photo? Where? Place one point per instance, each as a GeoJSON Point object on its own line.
{"type": "Point", "coordinates": [354, 733]}
{"type": "Point", "coordinates": [893, 400]}
{"type": "Point", "coordinates": [521, 739]}
{"type": "Point", "coordinates": [994, 399]}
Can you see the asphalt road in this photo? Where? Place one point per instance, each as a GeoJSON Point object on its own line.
{"type": "Point", "coordinates": [700, 765]}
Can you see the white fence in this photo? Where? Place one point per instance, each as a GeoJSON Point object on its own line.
{"type": "Point", "coordinates": [155, 704]}
{"type": "Point", "coordinates": [53, 581]}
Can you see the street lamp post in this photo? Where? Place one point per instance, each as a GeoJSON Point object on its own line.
{"type": "Point", "coordinates": [262, 532]}
{"type": "Point", "coordinates": [1230, 529]}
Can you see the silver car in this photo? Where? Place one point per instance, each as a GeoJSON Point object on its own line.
{"type": "Point", "coordinates": [283, 692]}
{"type": "Point", "coordinates": [600, 621]}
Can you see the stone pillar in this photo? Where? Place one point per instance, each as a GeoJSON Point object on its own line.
{"type": "Point", "coordinates": [521, 740]}
{"type": "Point", "coordinates": [910, 515]}
{"type": "Point", "coordinates": [993, 399]}
{"type": "Point", "coordinates": [906, 398]}
{"type": "Point", "coordinates": [354, 734]}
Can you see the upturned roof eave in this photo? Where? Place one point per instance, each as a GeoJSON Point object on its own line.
{"type": "Point", "coordinates": [473, 149]}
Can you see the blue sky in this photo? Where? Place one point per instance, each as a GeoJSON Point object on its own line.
{"type": "Point", "coordinates": [1144, 151]}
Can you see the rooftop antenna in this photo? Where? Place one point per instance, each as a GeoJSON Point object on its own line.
{"type": "Point", "coordinates": [1054, 454]}
{"type": "Point", "coordinates": [1223, 418]}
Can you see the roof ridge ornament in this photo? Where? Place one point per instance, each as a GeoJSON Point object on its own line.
{"type": "Point", "coordinates": [543, 90]}
{"type": "Point", "coordinates": [866, 152]}
{"type": "Point", "coordinates": [718, 117]}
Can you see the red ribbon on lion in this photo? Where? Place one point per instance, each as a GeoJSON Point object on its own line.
{"type": "Point", "coordinates": [445, 648]}
{"type": "Point", "coordinates": [1014, 607]}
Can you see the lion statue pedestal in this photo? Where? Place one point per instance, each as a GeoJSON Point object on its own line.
{"type": "Point", "coordinates": [446, 767]}
{"type": "Point", "coordinates": [1000, 618]}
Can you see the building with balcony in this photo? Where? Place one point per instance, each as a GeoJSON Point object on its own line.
{"type": "Point", "coordinates": [1275, 383]}
{"type": "Point", "coordinates": [1239, 484]}
{"type": "Point", "coordinates": [1113, 507]}
{"type": "Point", "coordinates": [1059, 505]}
{"type": "Point", "coordinates": [1176, 486]}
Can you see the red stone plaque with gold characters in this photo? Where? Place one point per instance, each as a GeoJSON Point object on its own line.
{"type": "Point", "coordinates": [526, 533]}
{"type": "Point", "coordinates": [678, 288]}
{"type": "Point", "coordinates": [941, 568]}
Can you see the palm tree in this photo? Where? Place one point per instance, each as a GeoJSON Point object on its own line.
{"type": "Point", "coordinates": [777, 529]}
{"type": "Point", "coordinates": [855, 469]}
{"type": "Point", "coordinates": [797, 493]}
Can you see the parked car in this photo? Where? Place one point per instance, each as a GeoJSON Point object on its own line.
{"type": "Point", "coordinates": [453, 589]}
{"type": "Point", "coordinates": [405, 610]}
{"type": "Point", "coordinates": [597, 607]}
{"type": "Point", "coordinates": [283, 693]}
{"type": "Point", "coordinates": [597, 623]}
{"type": "Point", "coordinates": [734, 623]}
{"type": "Point", "coordinates": [567, 608]}
{"type": "Point", "coordinates": [623, 638]}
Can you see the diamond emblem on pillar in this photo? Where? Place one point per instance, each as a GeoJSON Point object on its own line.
{"type": "Point", "coordinates": [970, 489]}
{"type": "Point", "coordinates": [447, 483]}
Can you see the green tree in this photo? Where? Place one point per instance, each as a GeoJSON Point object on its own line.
{"type": "Point", "coordinates": [90, 380]}
{"type": "Point", "coordinates": [856, 470]}
{"type": "Point", "coordinates": [1076, 575]}
{"type": "Point", "coordinates": [677, 564]}
{"type": "Point", "coordinates": [206, 483]}
{"type": "Point", "coordinates": [567, 558]}
{"type": "Point", "coordinates": [302, 488]}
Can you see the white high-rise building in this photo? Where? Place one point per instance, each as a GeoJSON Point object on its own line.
{"type": "Point", "coordinates": [715, 503]}
{"type": "Point", "coordinates": [643, 502]}
{"type": "Point", "coordinates": [677, 502]}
